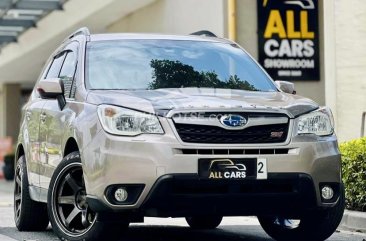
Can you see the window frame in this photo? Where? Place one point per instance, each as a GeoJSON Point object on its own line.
{"type": "Point", "coordinates": [268, 80]}
{"type": "Point", "coordinates": [74, 47]}
{"type": "Point", "coordinates": [53, 60]}
{"type": "Point", "coordinates": [67, 52]}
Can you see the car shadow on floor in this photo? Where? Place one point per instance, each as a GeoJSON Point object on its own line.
{"type": "Point", "coordinates": [159, 233]}
{"type": "Point", "coordinates": [175, 233]}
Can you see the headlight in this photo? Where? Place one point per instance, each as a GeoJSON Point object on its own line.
{"type": "Point", "coordinates": [319, 122]}
{"type": "Point", "coordinates": [126, 122]}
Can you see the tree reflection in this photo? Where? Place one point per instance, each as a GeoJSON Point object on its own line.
{"type": "Point", "coordinates": [175, 74]}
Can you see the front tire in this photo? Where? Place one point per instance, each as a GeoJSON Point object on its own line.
{"type": "Point", "coordinates": [316, 226]}
{"type": "Point", "coordinates": [26, 209]}
{"type": "Point", "coordinates": [69, 212]}
{"type": "Point", "coordinates": [204, 222]}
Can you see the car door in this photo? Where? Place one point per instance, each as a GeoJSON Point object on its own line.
{"type": "Point", "coordinates": [32, 111]}
{"type": "Point", "coordinates": [32, 119]}
{"type": "Point", "coordinates": [53, 72]}
{"type": "Point", "coordinates": [55, 120]}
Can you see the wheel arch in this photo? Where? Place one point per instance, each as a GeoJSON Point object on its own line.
{"type": "Point", "coordinates": [19, 152]}
{"type": "Point", "coordinates": [70, 146]}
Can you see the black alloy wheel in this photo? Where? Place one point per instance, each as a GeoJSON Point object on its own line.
{"type": "Point", "coordinates": [70, 207]}
{"type": "Point", "coordinates": [71, 217]}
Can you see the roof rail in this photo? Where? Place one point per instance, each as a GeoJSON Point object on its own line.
{"type": "Point", "coordinates": [204, 33]}
{"type": "Point", "coordinates": [81, 31]}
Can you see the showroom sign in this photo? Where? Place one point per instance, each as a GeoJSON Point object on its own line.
{"type": "Point", "coordinates": [288, 39]}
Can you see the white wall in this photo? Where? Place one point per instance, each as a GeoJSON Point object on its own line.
{"type": "Point", "coordinates": [247, 27]}
{"type": "Point", "coordinates": [176, 17]}
{"type": "Point", "coordinates": [350, 32]}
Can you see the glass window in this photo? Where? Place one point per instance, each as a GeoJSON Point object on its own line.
{"type": "Point", "coordinates": [154, 64]}
{"type": "Point", "coordinates": [54, 70]}
{"type": "Point", "coordinates": [68, 71]}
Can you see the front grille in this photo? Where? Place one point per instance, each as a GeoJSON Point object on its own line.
{"type": "Point", "coordinates": [213, 134]}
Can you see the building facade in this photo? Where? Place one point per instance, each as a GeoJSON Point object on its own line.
{"type": "Point", "coordinates": [341, 30]}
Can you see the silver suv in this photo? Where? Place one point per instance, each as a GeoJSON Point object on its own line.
{"type": "Point", "coordinates": [123, 126]}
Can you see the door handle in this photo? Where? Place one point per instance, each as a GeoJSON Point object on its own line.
{"type": "Point", "coordinates": [43, 117]}
{"type": "Point", "coordinates": [28, 115]}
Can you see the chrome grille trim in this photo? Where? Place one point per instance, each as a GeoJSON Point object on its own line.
{"type": "Point", "coordinates": [206, 127]}
{"type": "Point", "coordinates": [252, 121]}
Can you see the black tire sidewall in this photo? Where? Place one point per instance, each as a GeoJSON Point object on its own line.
{"type": "Point", "coordinates": [29, 207]}
{"type": "Point", "coordinates": [25, 193]}
{"type": "Point", "coordinates": [204, 222]}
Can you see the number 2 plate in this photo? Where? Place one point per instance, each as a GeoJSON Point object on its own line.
{"type": "Point", "coordinates": [261, 168]}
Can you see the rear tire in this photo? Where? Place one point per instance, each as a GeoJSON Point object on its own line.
{"type": "Point", "coordinates": [29, 215]}
{"type": "Point", "coordinates": [204, 222]}
{"type": "Point", "coordinates": [316, 226]}
{"type": "Point", "coordinates": [69, 212]}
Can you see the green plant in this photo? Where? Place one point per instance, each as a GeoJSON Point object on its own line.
{"type": "Point", "coordinates": [354, 173]}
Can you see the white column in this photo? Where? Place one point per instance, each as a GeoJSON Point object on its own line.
{"type": "Point", "coordinates": [10, 110]}
{"type": "Point", "coordinates": [330, 56]}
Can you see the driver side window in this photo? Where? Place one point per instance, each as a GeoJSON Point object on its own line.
{"type": "Point", "coordinates": [68, 71]}
{"type": "Point", "coordinates": [54, 69]}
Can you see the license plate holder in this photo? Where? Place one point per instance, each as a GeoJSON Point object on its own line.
{"type": "Point", "coordinates": [232, 168]}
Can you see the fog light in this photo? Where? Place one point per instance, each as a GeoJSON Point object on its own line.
{"type": "Point", "coordinates": [327, 193]}
{"type": "Point", "coordinates": [121, 195]}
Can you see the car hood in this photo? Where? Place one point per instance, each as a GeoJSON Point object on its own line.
{"type": "Point", "coordinates": [161, 101]}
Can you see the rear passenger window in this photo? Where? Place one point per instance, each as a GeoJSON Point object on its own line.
{"type": "Point", "coordinates": [54, 70]}
{"type": "Point", "coordinates": [68, 71]}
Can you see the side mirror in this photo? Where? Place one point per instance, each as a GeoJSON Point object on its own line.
{"type": "Point", "coordinates": [52, 88]}
{"type": "Point", "coordinates": [286, 86]}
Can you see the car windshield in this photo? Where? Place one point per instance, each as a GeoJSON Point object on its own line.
{"type": "Point", "coordinates": [155, 64]}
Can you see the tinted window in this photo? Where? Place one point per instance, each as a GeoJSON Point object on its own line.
{"type": "Point", "coordinates": [68, 71]}
{"type": "Point", "coordinates": [54, 70]}
{"type": "Point", "coordinates": [153, 64]}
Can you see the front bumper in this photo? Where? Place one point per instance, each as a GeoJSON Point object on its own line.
{"type": "Point", "coordinates": [148, 159]}
{"type": "Point", "coordinates": [182, 195]}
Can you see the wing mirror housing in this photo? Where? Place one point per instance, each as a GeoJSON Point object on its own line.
{"type": "Point", "coordinates": [52, 88]}
{"type": "Point", "coordinates": [286, 86]}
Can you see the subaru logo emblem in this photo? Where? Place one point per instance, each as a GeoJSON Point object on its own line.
{"type": "Point", "coordinates": [233, 121]}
